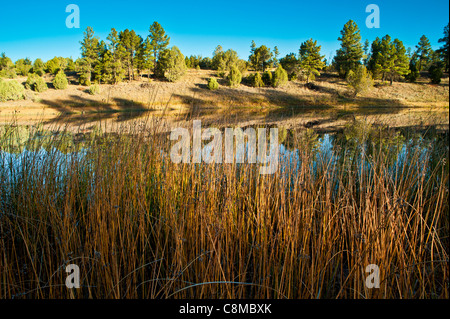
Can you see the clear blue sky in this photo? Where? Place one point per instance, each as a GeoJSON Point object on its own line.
{"type": "Point", "coordinates": [37, 28]}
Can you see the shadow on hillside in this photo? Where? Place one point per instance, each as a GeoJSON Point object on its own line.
{"type": "Point", "coordinates": [81, 110]}
{"type": "Point", "coordinates": [227, 103]}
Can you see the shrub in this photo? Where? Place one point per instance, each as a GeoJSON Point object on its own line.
{"type": "Point", "coordinates": [414, 72]}
{"type": "Point", "coordinates": [359, 80]}
{"type": "Point", "coordinates": [60, 81]}
{"type": "Point", "coordinates": [256, 80]}
{"type": "Point", "coordinates": [171, 64]}
{"type": "Point", "coordinates": [94, 89]}
{"type": "Point", "coordinates": [280, 77]}
{"type": "Point", "coordinates": [84, 79]}
{"type": "Point", "coordinates": [36, 83]}
{"type": "Point", "coordinates": [234, 77]}
{"type": "Point", "coordinates": [435, 73]}
{"type": "Point", "coordinates": [212, 84]}
{"type": "Point", "coordinates": [8, 73]}
{"type": "Point", "coordinates": [11, 91]}
{"type": "Point", "coordinates": [23, 66]}
{"type": "Point", "coordinates": [38, 67]}
{"type": "Point", "coordinates": [267, 78]}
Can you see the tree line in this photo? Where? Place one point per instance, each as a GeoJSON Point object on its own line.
{"type": "Point", "coordinates": [125, 55]}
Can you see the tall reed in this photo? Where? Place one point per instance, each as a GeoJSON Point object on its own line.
{"type": "Point", "coordinates": [140, 226]}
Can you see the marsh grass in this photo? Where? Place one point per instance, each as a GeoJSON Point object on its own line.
{"type": "Point", "coordinates": [140, 226]}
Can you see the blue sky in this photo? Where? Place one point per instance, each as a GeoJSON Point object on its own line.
{"type": "Point", "coordinates": [37, 28]}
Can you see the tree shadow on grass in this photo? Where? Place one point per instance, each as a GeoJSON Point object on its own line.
{"type": "Point", "coordinates": [81, 110]}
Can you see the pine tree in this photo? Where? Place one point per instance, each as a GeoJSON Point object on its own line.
{"type": "Point", "coordinates": [401, 63]}
{"type": "Point", "coordinates": [366, 57]}
{"type": "Point", "coordinates": [113, 60]}
{"type": "Point", "coordinates": [217, 57]}
{"type": "Point", "coordinates": [291, 65]}
{"type": "Point", "coordinates": [131, 42]}
{"type": "Point", "coordinates": [90, 51]}
{"type": "Point", "coordinates": [256, 80]}
{"type": "Point", "coordinates": [224, 61]}
{"type": "Point", "coordinates": [252, 56]}
{"type": "Point", "coordinates": [234, 77]}
{"type": "Point", "coordinates": [349, 56]}
{"type": "Point", "coordinates": [310, 59]}
{"type": "Point", "coordinates": [38, 67]}
{"type": "Point", "coordinates": [171, 64]}
{"type": "Point", "coordinates": [359, 80]}
{"type": "Point", "coordinates": [280, 77]}
{"type": "Point", "coordinates": [389, 59]}
{"type": "Point", "coordinates": [60, 81]}
{"type": "Point", "coordinates": [158, 41]}
{"type": "Point", "coordinates": [423, 52]}
{"type": "Point", "coordinates": [385, 58]}
{"type": "Point", "coordinates": [276, 53]}
{"type": "Point", "coordinates": [372, 63]}
{"type": "Point", "coordinates": [443, 51]}
{"type": "Point", "coordinates": [23, 66]}
{"type": "Point", "coordinates": [260, 58]}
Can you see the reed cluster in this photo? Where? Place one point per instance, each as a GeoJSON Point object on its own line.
{"type": "Point", "coordinates": [140, 226]}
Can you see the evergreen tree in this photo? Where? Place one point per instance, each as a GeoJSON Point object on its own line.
{"type": "Point", "coordinates": [280, 77]}
{"type": "Point", "coordinates": [276, 53]}
{"type": "Point", "coordinates": [224, 61]}
{"type": "Point", "coordinates": [90, 51]}
{"type": "Point", "coordinates": [389, 59]}
{"type": "Point", "coordinates": [291, 65]}
{"type": "Point", "coordinates": [349, 56]}
{"type": "Point", "coordinates": [310, 59]}
{"type": "Point", "coordinates": [267, 78]}
{"type": "Point", "coordinates": [171, 64]}
{"type": "Point", "coordinates": [158, 41]}
{"type": "Point", "coordinates": [401, 62]}
{"type": "Point", "coordinates": [38, 67]}
{"type": "Point", "coordinates": [366, 49]}
{"type": "Point", "coordinates": [60, 81]}
{"type": "Point", "coordinates": [423, 51]}
{"type": "Point", "coordinates": [212, 84]}
{"type": "Point", "coordinates": [131, 42]}
{"type": "Point", "coordinates": [256, 80]}
{"type": "Point", "coordinates": [36, 83]}
{"type": "Point", "coordinates": [53, 66]}
{"type": "Point", "coordinates": [234, 77]}
{"type": "Point", "coordinates": [23, 66]}
{"type": "Point", "coordinates": [413, 69]}
{"type": "Point", "coordinates": [217, 57]}
{"type": "Point", "coordinates": [372, 63]}
{"type": "Point", "coordinates": [436, 73]}
{"type": "Point", "coordinates": [359, 80]}
{"type": "Point", "coordinates": [443, 51]}
{"type": "Point", "coordinates": [260, 58]}
{"type": "Point", "coordinates": [113, 59]}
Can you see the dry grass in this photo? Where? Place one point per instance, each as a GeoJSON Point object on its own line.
{"type": "Point", "coordinates": [140, 226]}
{"type": "Point", "coordinates": [329, 91]}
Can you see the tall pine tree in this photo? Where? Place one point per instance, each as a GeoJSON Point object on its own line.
{"type": "Point", "coordinates": [389, 59]}
{"type": "Point", "coordinates": [349, 56]}
{"type": "Point", "coordinates": [310, 59]}
{"type": "Point", "coordinates": [443, 51]}
{"type": "Point", "coordinates": [90, 53]}
{"type": "Point", "coordinates": [131, 42]}
{"type": "Point", "coordinates": [158, 41]}
{"type": "Point", "coordinates": [423, 51]}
